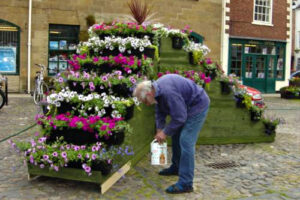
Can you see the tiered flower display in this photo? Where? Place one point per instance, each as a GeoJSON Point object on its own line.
{"type": "Point", "coordinates": [87, 121]}
{"type": "Point", "coordinates": [90, 109]}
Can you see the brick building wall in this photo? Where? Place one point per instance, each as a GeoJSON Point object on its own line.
{"type": "Point", "coordinates": [241, 18]}
{"type": "Point", "coordinates": [204, 17]}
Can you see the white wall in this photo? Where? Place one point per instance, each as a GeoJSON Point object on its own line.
{"type": "Point", "coordinates": [224, 37]}
{"type": "Point", "coordinates": [297, 37]}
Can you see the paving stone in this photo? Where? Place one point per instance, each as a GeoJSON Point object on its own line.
{"type": "Point", "coordinates": [264, 167]}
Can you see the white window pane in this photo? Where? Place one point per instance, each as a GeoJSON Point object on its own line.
{"type": "Point", "coordinates": [267, 18]}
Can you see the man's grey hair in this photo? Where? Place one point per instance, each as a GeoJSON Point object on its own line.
{"type": "Point", "coordinates": [142, 89]}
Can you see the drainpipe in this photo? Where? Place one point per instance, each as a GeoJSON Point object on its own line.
{"type": "Point", "coordinates": [29, 46]}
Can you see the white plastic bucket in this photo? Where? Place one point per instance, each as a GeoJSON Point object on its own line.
{"type": "Point", "coordinates": [159, 153]}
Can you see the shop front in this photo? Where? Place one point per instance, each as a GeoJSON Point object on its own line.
{"type": "Point", "coordinates": [259, 63]}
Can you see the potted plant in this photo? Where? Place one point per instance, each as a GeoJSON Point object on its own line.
{"type": "Point", "coordinates": [256, 112]}
{"type": "Point", "coordinates": [271, 124]}
{"type": "Point", "coordinates": [227, 82]}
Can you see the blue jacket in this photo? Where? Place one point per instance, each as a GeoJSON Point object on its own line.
{"type": "Point", "coordinates": [180, 98]}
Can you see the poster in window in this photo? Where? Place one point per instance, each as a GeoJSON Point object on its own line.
{"type": "Point", "coordinates": [72, 46]}
{"type": "Point", "coordinates": [52, 67]}
{"type": "Point", "coordinates": [63, 66]}
{"type": "Point", "coordinates": [246, 49]}
{"type": "Point", "coordinates": [63, 57]}
{"type": "Point", "coordinates": [53, 58]}
{"type": "Point", "coordinates": [63, 44]}
{"type": "Point", "coordinates": [264, 51]}
{"type": "Point", "coordinates": [8, 59]}
{"type": "Point", "coordinates": [53, 45]}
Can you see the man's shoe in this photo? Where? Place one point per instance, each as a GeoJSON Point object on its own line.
{"type": "Point", "coordinates": [168, 172]}
{"type": "Point", "coordinates": [178, 189]}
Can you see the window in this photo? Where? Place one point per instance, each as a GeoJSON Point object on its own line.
{"type": "Point", "coordinates": [62, 44]}
{"type": "Point", "coordinates": [298, 64]}
{"type": "Point", "coordinates": [263, 12]}
{"type": "Point", "coordinates": [9, 48]}
{"type": "Point", "coordinates": [280, 62]}
{"type": "Point", "coordinates": [236, 59]}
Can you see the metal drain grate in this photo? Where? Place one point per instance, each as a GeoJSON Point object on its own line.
{"type": "Point", "coordinates": [223, 165]}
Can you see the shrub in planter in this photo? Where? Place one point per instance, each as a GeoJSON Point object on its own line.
{"type": "Point", "coordinates": [76, 86]}
{"type": "Point", "coordinates": [88, 67]}
{"type": "Point", "coordinates": [72, 136]}
{"type": "Point", "coordinates": [295, 81]}
{"type": "Point", "coordinates": [116, 138]}
{"type": "Point", "coordinates": [105, 68]}
{"type": "Point", "coordinates": [177, 42]}
{"type": "Point", "coordinates": [149, 52]}
{"type": "Point", "coordinates": [270, 124]}
{"type": "Point", "coordinates": [105, 166]}
{"type": "Point", "coordinates": [225, 87]}
{"type": "Point", "coordinates": [121, 90]}
{"type": "Point", "coordinates": [256, 113]}
{"type": "Point", "coordinates": [239, 100]}
{"type": "Point", "coordinates": [65, 107]}
{"type": "Point", "coordinates": [290, 92]}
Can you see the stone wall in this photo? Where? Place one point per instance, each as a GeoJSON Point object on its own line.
{"type": "Point", "coordinates": [203, 16]}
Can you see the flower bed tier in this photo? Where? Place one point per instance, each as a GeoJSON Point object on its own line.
{"type": "Point", "coordinates": [143, 129]}
{"type": "Point", "coordinates": [107, 64]}
{"type": "Point", "coordinates": [93, 104]}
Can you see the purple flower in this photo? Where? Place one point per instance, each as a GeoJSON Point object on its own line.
{"type": "Point", "coordinates": [94, 156]}
{"type": "Point", "coordinates": [76, 148]}
{"type": "Point", "coordinates": [60, 79]}
{"type": "Point", "coordinates": [45, 157]}
{"type": "Point", "coordinates": [133, 81]}
{"type": "Point", "coordinates": [82, 84]}
{"type": "Point", "coordinates": [64, 154]}
{"type": "Point", "coordinates": [79, 156]}
{"type": "Point", "coordinates": [92, 86]}
{"type": "Point", "coordinates": [86, 75]}
{"type": "Point", "coordinates": [56, 168]}
{"type": "Point", "coordinates": [87, 155]}
{"type": "Point", "coordinates": [87, 169]}
{"type": "Point", "coordinates": [84, 165]}
{"type": "Point", "coordinates": [55, 154]}
{"type": "Point", "coordinates": [31, 159]}
{"type": "Point", "coordinates": [32, 143]}
{"type": "Point", "coordinates": [42, 139]}
{"type": "Point", "coordinates": [82, 147]}
{"type": "Point", "coordinates": [104, 78]}
{"type": "Point", "coordinates": [94, 148]}
{"type": "Point", "coordinates": [42, 166]}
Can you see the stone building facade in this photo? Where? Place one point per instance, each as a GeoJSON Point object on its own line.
{"type": "Point", "coordinates": [204, 17]}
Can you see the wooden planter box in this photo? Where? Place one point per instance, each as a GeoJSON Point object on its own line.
{"type": "Point", "coordinates": [143, 125]}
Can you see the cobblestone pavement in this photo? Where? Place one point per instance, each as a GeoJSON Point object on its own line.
{"type": "Point", "coordinates": [265, 171]}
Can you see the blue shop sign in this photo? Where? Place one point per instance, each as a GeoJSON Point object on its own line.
{"type": "Point", "coordinates": [8, 59]}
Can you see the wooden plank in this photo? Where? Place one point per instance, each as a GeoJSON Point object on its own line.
{"type": "Point", "coordinates": [115, 177]}
{"type": "Point", "coordinates": [31, 177]}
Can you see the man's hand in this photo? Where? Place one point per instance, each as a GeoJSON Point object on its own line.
{"type": "Point", "coordinates": [160, 136]}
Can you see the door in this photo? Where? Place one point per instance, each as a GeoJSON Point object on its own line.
{"type": "Point", "coordinates": [259, 72]}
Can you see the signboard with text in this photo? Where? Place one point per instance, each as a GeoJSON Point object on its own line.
{"type": "Point", "coordinates": [8, 59]}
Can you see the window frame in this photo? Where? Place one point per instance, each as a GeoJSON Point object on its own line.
{"type": "Point", "coordinates": [18, 29]}
{"type": "Point", "coordinates": [260, 42]}
{"type": "Point", "coordinates": [260, 22]}
{"type": "Point", "coordinates": [59, 51]}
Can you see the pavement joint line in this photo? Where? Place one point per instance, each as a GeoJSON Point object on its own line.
{"type": "Point", "coordinates": [18, 133]}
